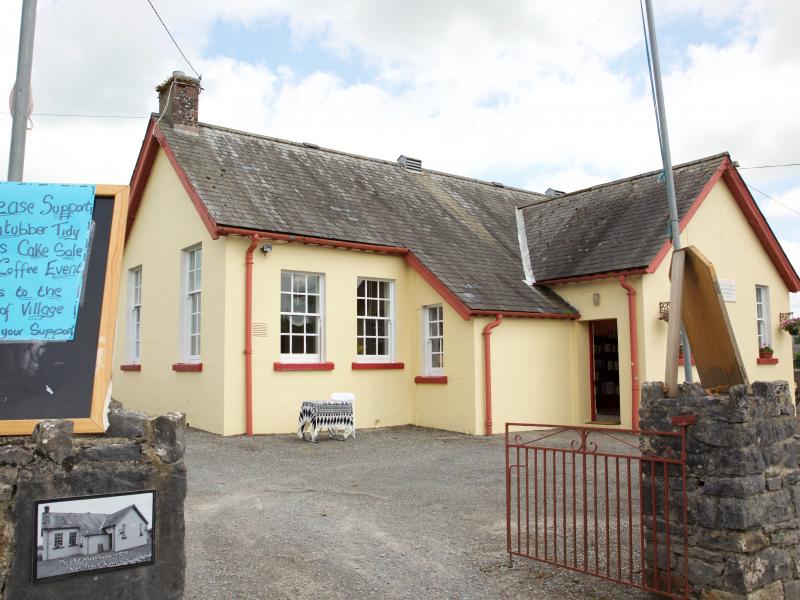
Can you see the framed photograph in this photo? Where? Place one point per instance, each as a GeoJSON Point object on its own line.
{"type": "Point", "coordinates": [93, 533]}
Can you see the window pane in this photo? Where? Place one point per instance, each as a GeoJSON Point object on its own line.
{"type": "Point", "coordinates": [361, 290]}
{"type": "Point", "coordinates": [195, 345]}
{"type": "Point", "coordinates": [371, 347]}
{"type": "Point", "coordinates": [360, 327]}
{"type": "Point", "coordinates": [285, 344]}
{"type": "Point", "coordinates": [311, 324]}
{"type": "Point", "coordinates": [383, 346]}
{"type": "Point", "coordinates": [286, 282]}
{"type": "Point", "coordinates": [286, 302]}
{"type": "Point", "coordinates": [299, 282]}
{"type": "Point", "coordinates": [198, 258]}
{"type": "Point", "coordinates": [372, 308]}
{"type": "Point", "coordinates": [436, 345]}
{"type": "Point", "coordinates": [382, 327]}
{"type": "Point", "coordinates": [371, 327]}
{"type": "Point", "coordinates": [372, 289]}
{"type": "Point", "coordinates": [311, 344]}
{"type": "Point", "coordinates": [313, 304]}
{"type": "Point", "coordinates": [383, 306]}
{"type": "Point", "coordinates": [436, 361]}
{"type": "Point", "coordinates": [297, 344]}
{"type": "Point", "coordinates": [313, 284]}
{"type": "Point", "coordinates": [360, 347]}
{"type": "Point", "coordinates": [360, 307]}
{"type": "Point", "coordinates": [433, 329]}
{"type": "Point", "coordinates": [297, 324]}
{"type": "Point", "coordinates": [299, 304]}
{"type": "Point", "coordinates": [285, 324]}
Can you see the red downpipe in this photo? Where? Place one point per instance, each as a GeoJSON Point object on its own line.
{"type": "Point", "coordinates": [634, 352]}
{"type": "Point", "coordinates": [248, 331]}
{"type": "Point", "coordinates": [487, 369]}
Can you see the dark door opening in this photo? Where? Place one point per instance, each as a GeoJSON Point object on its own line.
{"type": "Point", "coordinates": [604, 370]}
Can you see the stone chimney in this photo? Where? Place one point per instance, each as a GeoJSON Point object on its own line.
{"type": "Point", "coordinates": [178, 100]}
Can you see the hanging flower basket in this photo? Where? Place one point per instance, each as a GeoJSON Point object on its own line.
{"type": "Point", "coordinates": [791, 325]}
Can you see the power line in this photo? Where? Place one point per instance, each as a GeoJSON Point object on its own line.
{"type": "Point", "coordinates": [786, 206]}
{"type": "Point", "coordinates": [82, 116]}
{"type": "Point", "coordinates": [771, 166]}
{"type": "Point", "coordinates": [173, 40]}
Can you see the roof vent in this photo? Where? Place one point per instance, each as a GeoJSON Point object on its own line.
{"type": "Point", "coordinates": [551, 193]}
{"type": "Point", "coordinates": [410, 164]}
{"type": "Point", "coordinates": [310, 145]}
{"type": "Point", "coordinates": [498, 184]}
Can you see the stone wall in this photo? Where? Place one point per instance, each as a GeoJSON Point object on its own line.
{"type": "Point", "coordinates": [136, 454]}
{"type": "Point", "coordinates": [743, 485]}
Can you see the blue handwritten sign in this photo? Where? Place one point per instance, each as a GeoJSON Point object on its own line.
{"type": "Point", "coordinates": [45, 233]}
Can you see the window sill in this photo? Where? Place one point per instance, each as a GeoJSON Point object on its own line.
{"type": "Point", "coordinates": [317, 366]}
{"type": "Point", "coordinates": [187, 367]}
{"type": "Point", "coordinates": [441, 379]}
{"type": "Point", "coordinates": [135, 367]}
{"type": "Point", "coordinates": [366, 366]}
{"type": "Point", "coordinates": [766, 360]}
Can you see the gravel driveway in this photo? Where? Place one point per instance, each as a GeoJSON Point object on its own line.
{"type": "Point", "coordinates": [394, 513]}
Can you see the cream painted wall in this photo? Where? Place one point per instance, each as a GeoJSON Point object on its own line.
{"type": "Point", "coordinates": [383, 397]}
{"type": "Point", "coordinates": [166, 224]}
{"type": "Point", "coordinates": [448, 406]}
{"type": "Point", "coordinates": [534, 368]}
{"type": "Point", "coordinates": [721, 233]}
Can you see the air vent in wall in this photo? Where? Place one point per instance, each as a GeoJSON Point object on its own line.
{"type": "Point", "coordinates": [259, 330]}
{"type": "Point", "coordinates": [410, 164]}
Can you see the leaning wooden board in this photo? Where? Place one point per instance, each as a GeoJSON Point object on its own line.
{"type": "Point", "coordinates": [71, 379]}
{"type": "Point", "coordinates": [707, 325]}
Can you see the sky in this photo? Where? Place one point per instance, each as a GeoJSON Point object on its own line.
{"type": "Point", "coordinates": [531, 93]}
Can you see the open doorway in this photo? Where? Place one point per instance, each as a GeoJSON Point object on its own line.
{"type": "Point", "coordinates": [604, 371]}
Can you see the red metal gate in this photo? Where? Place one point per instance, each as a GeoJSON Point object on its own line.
{"type": "Point", "coordinates": [590, 500]}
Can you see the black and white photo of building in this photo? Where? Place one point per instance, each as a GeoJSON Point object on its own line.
{"type": "Point", "coordinates": [100, 532]}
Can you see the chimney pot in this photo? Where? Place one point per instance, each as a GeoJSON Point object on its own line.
{"type": "Point", "coordinates": [178, 100]}
{"type": "Point", "coordinates": [47, 509]}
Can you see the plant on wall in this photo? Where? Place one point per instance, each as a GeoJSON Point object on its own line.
{"type": "Point", "coordinates": [791, 325]}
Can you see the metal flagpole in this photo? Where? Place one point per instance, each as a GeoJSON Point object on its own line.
{"type": "Point", "coordinates": [22, 92]}
{"type": "Point", "coordinates": [666, 158]}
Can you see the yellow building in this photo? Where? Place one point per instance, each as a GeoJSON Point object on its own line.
{"type": "Point", "coordinates": [262, 273]}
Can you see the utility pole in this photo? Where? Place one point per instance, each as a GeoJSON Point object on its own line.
{"type": "Point", "coordinates": [22, 91]}
{"type": "Point", "coordinates": [666, 159]}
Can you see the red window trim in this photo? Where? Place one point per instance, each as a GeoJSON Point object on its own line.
{"type": "Point", "coordinates": [367, 366]}
{"type": "Point", "coordinates": [317, 366]}
{"type": "Point", "coordinates": [131, 367]}
{"type": "Point", "coordinates": [442, 379]}
{"type": "Point", "coordinates": [187, 367]}
{"type": "Point", "coordinates": [766, 360]}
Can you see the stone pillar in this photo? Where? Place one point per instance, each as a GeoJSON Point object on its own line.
{"type": "Point", "coordinates": [743, 489]}
{"type": "Point", "coordinates": [136, 454]}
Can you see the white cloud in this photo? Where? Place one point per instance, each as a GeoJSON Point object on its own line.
{"type": "Point", "coordinates": [784, 206]}
{"type": "Point", "coordinates": [473, 87]}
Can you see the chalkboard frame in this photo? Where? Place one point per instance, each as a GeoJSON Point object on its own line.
{"type": "Point", "coordinates": [101, 390]}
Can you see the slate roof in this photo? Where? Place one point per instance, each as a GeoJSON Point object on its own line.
{"type": "Point", "coordinates": [462, 230]}
{"type": "Point", "coordinates": [610, 227]}
{"type": "Point", "coordinates": [87, 523]}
